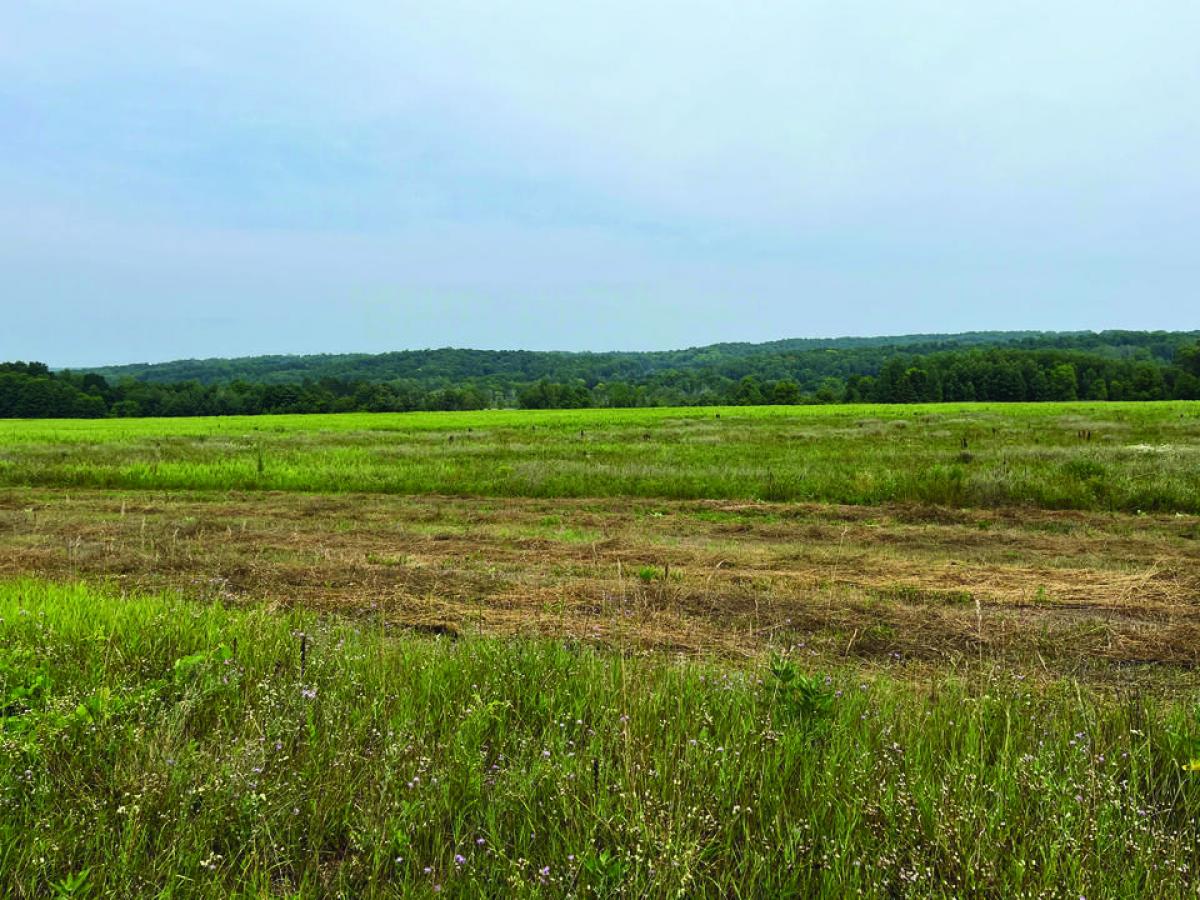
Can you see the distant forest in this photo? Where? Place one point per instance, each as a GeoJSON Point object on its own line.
{"type": "Point", "coordinates": [986, 366]}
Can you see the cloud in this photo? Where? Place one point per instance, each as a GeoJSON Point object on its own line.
{"type": "Point", "coordinates": [1019, 164]}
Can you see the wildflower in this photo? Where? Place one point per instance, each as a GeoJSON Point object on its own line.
{"type": "Point", "coordinates": [308, 693]}
{"type": "Point", "coordinates": [459, 859]}
{"type": "Point", "coordinates": [480, 841]}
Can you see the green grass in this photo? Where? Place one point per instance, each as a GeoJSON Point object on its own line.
{"type": "Point", "coordinates": [152, 747]}
{"type": "Point", "coordinates": [1103, 456]}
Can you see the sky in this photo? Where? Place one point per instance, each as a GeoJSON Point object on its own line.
{"type": "Point", "coordinates": [196, 179]}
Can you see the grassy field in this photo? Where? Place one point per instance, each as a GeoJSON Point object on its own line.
{"type": "Point", "coordinates": [1098, 596]}
{"type": "Point", "coordinates": [895, 651]}
{"type": "Point", "coordinates": [1140, 456]}
{"type": "Point", "coordinates": [151, 746]}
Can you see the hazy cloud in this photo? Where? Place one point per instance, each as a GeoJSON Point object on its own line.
{"type": "Point", "coordinates": [216, 179]}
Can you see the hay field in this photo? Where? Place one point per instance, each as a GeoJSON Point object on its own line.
{"type": "Point", "coordinates": [902, 651]}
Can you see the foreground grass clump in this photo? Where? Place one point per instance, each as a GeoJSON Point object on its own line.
{"type": "Point", "coordinates": [1098, 456]}
{"type": "Point", "coordinates": [150, 746]}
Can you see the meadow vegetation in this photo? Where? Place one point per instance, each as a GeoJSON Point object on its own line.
{"type": "Point", "coordinates": [1097, 596]}
{"type": "Point", "coordinates": [1098, 456]}
{"type": "Point", "coordinates": [942, 650]}
{"type": "Point", "coordinates": [154, 747]}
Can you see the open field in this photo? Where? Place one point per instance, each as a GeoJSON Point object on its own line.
{"type": "Point", "coordinates": [1060, 592]}
{"type": "Point", "coordinates": [165, 748]}
{"type": "Point", "coordinates": [942, 650]}
{"type": "Point", "coordinates": [1103, 456]}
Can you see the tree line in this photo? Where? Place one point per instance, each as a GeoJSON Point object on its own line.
{"type": "Point", "coordinates": [872, 374]}
{"type": "Point", "coordinates": [804, 360]}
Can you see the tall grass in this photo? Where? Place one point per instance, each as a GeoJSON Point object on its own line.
{"type": "Point", "coordinates": [151, 747]}
{"type": "Point", "coordinates": [1102, 456]}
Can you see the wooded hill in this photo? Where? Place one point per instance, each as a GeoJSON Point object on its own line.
{"type": "Point", "coordinates": [805, 360]}
{"type": "Point", "coordinates": [986, 366]}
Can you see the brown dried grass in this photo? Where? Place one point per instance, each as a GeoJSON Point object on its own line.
{"type": "Point", "coordinates": [1064, 592]}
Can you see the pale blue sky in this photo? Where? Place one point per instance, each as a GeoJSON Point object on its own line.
{"type": "Point", "coordinates": [218, 179]}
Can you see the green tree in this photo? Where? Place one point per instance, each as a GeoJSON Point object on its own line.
{"type": "Point", "coordinates": [786, 393]}
{"type": "Point", "coordinates": [748, 392]}
{"type": "Point", "coordinates": [1188, 359]}
{"type": "Point", "coordinates": [1063, 383]}
{"type": "Point", "coordinates": [831, 390]}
